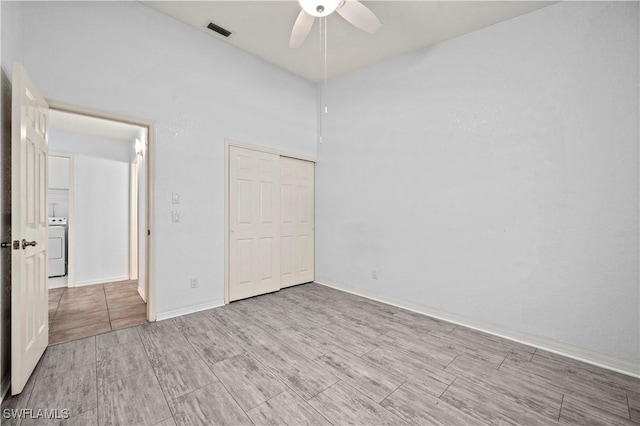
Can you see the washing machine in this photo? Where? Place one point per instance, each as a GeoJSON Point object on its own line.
{"type": "Point", "coordinates": [57, 246]}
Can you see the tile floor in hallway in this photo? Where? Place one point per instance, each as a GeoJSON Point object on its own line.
{"type": "Point", "coordinates": [313, 355]}
{"type": "Point", "coordinates": [79, 312]}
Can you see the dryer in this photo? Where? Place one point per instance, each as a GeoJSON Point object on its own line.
{"type": "Point", "coordinates": [57, 246]}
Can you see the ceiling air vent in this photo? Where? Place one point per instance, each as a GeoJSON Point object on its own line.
{"type": "Point", "coordinates": [218, 29]}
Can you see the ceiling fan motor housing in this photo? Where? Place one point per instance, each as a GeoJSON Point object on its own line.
{"type": "Point", "coordinates": [319, 8]}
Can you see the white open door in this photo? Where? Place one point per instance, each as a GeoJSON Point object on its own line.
{"type": "Point", "coordinates": [297, 221]}
{"type": "Point", "coordinates": [254, 219]}
{"type": "Point", "coordinates": [29, 296]}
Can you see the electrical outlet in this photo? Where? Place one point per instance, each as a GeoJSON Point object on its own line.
{"type": "Point", "coordinates": [175, 216]}
{"type": "Point", "coordinates": [374, 274]}
{"type": "Point", "coordinates": [194, 283]}
{"type": "Point", "coordinates": [175, 198]}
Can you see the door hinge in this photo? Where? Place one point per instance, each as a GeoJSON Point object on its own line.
{"type": "Point", "coordinates": [148, 232]}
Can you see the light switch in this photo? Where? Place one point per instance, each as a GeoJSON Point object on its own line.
{"type": "Point", "coordinates": [175, 216]}
{"type": "Point", "coordinates": [175, 198]}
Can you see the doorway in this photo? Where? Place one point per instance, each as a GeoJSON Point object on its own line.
{"type": "Point", "coordinates": [29, 224]}
{"type": "Point", "coordinates": [96, 225]}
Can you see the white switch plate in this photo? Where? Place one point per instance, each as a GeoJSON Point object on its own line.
{"type": "Point", "coordinates": [374, 274]}
{"type": "Point", "coordinates": [194, 283]}
{"type": "Point", "coordinates": [175, 216]}
{"type": "Point", "coordinates": [175, 198]}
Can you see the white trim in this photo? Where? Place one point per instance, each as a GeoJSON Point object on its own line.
{"type": "Point", "coordinates": [5, 385]}
{"type": "Point", "coordinates": [102, 281]}
{"type": "Point", "coordinates": [141, 293]}
{"type": "Point", "coordinates": [231, 142]}
{"type": "Point", "coordinates": [190, 310]}
{"type": "Point", "coordinates": [150, 251]}
{"type": "Point", "coordinates": [544, 343]}
{"type": "Point", "coordinates": [150, 247]}
{"type": "Point", "coordinates": [226, 221]}
{"type": "Point", "coordinates": [227, 144]}
{"type": "Point", "coordinates": [133, 219]}
{"type": "Point", "coordinates": [62, 284]}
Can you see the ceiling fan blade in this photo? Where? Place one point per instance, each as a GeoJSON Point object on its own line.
{"type": "Point", "coordinates": [301, 29]}
{"type": "Point", "coordinates": [359, 15]}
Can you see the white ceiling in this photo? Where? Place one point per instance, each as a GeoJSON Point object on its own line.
{"type": "Point", "coordinates": [263, 29]}
{"type": "Point", "coordinates": [91, 126]}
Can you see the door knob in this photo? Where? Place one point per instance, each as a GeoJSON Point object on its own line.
{"type": "Point", "coordinates": [26, 243]}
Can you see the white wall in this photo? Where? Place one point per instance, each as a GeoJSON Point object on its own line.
{"type": "Point", "coordinates": [58, 203]}
{"type": "Point", "coordinates": [92, 146]}
{"type": "Point", "coordinates": [101, 235]}
{"type": "Point", "coordinates": [102, 220]}
{"type": "Point", "coordinates": [127, 58]}
{"type": "Point", "coordinates": [59, 168]}
{"type": "Point", "coordinates": [494, 178]}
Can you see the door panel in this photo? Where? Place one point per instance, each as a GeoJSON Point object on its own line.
{"type": "Point", "coordinates": [286, 253]}
{"type": "Point", "coordinates": [29, 295]}
{"type": "Point", "coordinates": [254, 223]}
{"type": "Point", "coordinates": [286, 196]}
{"type": "Point", "coordinates": [266, 258]}
{"type": "Point", "coordinates": [304, 254]}
{"type": "Point", "coordinates": [244, 202]}
{"type": "Point", "coordinates": [266, 203]}
{"type": "Point", "coordinates": [245, 257]}
{"type": "Point", "coordinates": [297, 221]}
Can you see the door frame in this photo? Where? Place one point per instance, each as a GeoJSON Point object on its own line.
{"type": "Point", "coordinates": [71, 215]}
{"type": "Point", "coordinates": [134, 234]}
{"type": "Point", "coordinates": [150, 253]}
{"type": "Point", "coordinates": [228, 143]}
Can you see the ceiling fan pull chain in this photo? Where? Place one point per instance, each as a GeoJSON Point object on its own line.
{"type": "Point", "coordinates": [325, 50]}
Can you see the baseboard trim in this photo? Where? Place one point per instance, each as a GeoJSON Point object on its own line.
{"type": "Point", "coordinates": [189, 310]}
{"type": "Point", "coordinates": [102, 281]}
{"type": "Point", "coordinates": [56, 285]}
{"type": "Point", "coordinates": [142, 295]}
{"type": "Point", "coordinates": [559, 348]}
{"type": "Point", "coordinates": [5, 385]}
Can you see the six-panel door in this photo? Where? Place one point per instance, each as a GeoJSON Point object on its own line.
{"type": "Point", "coordinates": [254, 223]}
{"type": "Point", "coordinates": [29, 292]}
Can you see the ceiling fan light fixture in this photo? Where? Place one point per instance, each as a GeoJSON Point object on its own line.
{"type": "Point", "coordinates": [319, 8]}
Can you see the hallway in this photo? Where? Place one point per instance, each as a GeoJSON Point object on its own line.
{"type": "Point", "coordinates": [79, 312]}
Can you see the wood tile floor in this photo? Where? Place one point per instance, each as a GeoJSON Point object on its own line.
{"type": "Point", "coordinates": [314, 355]}
{"type": "Point", "coordinates": [86, 311]}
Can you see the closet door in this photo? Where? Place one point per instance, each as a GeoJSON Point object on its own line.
{"type": "Point", "coordinates": [254, 223]}
{"type": "Point", "coordinates": [297, 221]}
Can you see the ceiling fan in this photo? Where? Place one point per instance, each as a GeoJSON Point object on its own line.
{"type": "Point", "coordinates": [352, 11]}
